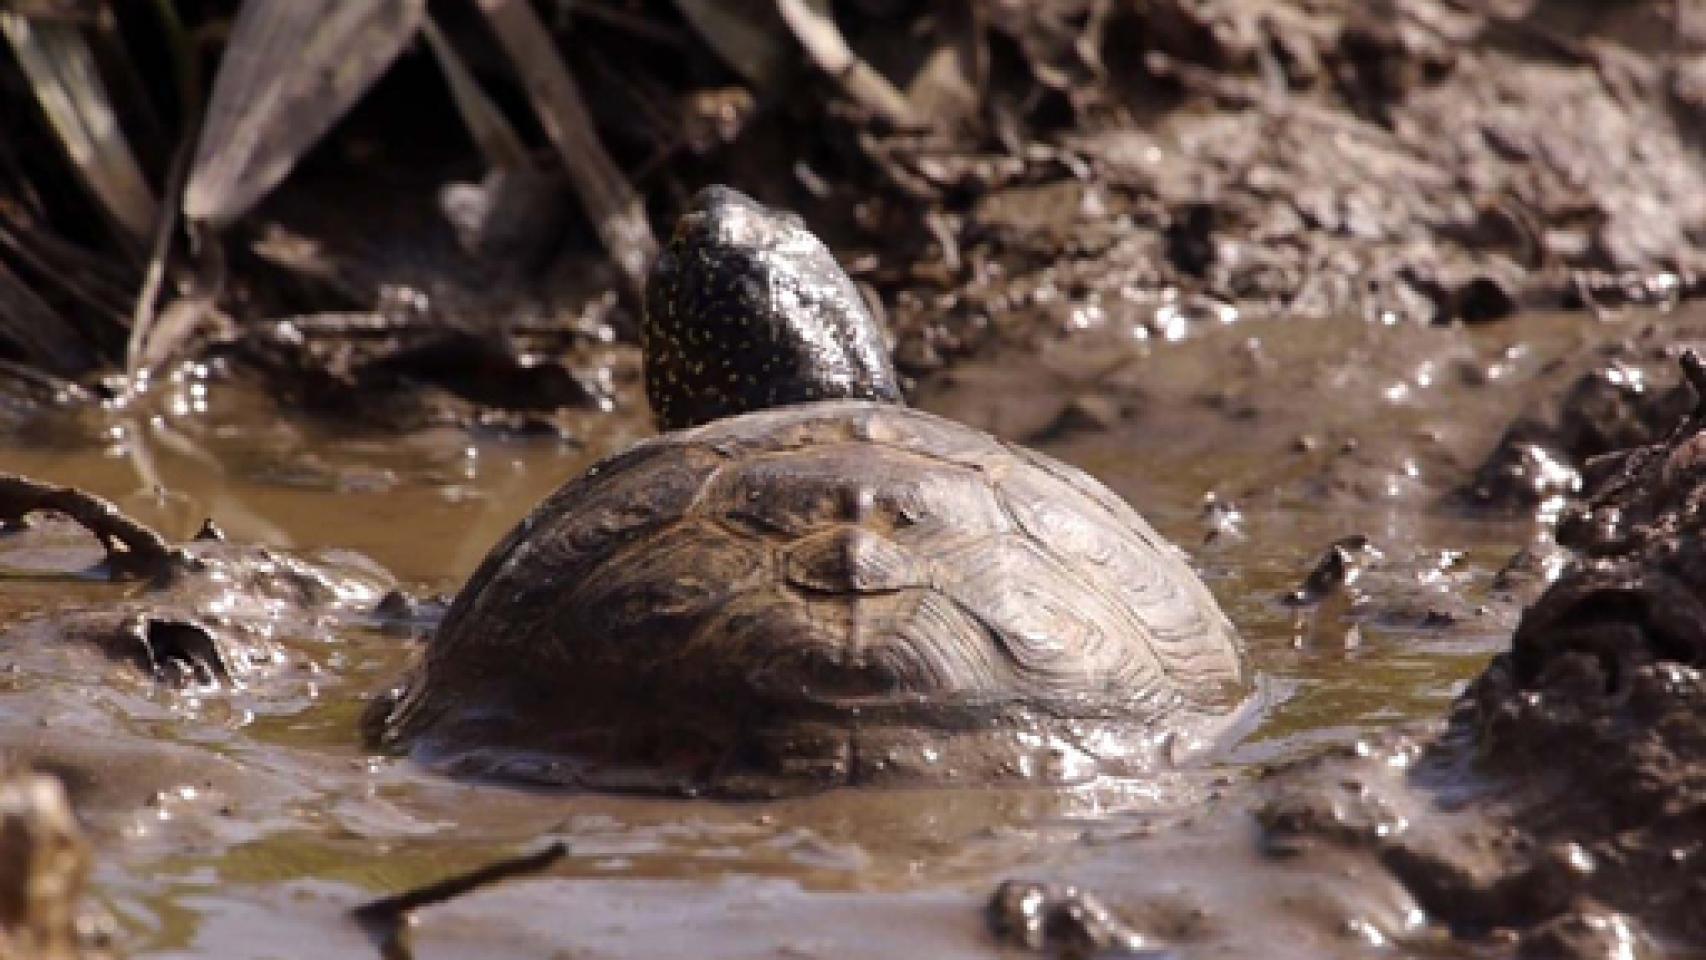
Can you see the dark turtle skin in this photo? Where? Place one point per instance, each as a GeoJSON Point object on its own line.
{"type": "Point", "coordinates": [821, 593]}
{"type": "Point", "coordinates": [746, 310]}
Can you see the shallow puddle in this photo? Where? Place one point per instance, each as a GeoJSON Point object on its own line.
{"type": "Point", "coordinates": [247, 824]}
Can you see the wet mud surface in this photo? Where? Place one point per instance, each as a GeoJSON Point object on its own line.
{"type": "Point", "coordinates": [1556, 812]}
{"type": "Point", "coordinates": [1332, 158]}
{"type": "Point", "coordinates": [1325, 289]}
{"type": "Point", "coordinates": [1313, 471]}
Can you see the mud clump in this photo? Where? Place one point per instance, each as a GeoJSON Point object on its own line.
{"type": "Point", "coordinates": [1604, 686]}
{"type": "Point", "coordinates": [1561, 810]}
{"type": "Point", "coordinates": [1524, 856]}
{"type": "Point", "coordinates": [44, 866]}
{"type": "Point", "coordinates": [1064, 921]}
{"type": "Point", "coordinates": [1608, 395]}
{"type": "Point", "coordinates": [1540, 457]}
{"type": "Point", "coordinates": [211, 613]}
{"type": "Point", "coordinates": [1394, 161]}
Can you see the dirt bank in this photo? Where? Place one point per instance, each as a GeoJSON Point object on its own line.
{"type": "Point", "coordinates": [1062, 166]}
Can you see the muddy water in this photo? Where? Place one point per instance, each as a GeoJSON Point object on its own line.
{"type": "Point", "coordinates": [246, 823]}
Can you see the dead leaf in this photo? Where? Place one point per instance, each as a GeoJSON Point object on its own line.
{"type": "Point", "coordinates": [291, 69]}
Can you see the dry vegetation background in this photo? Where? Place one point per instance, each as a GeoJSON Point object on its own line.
{"type": "Point", "coordinates": [466, 193]}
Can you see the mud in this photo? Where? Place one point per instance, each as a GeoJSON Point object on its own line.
{"type": "Point", "coordinates": [1556, 813]}
{"type": "Point", "coordinates": [1323, 158]}
{"type": "Point", "coordinates": [233, 813]}
{"type": "Point", "coordinates": [1613, 406]}
{"type": "Point", "coordinates": [1063, 919]}
{"type": "Point", "coordinates": [1326, 289]}
{"type": "Point", "coordinates": [44, 863]}
{"type": "Point", "coordinates": [1602, 684]}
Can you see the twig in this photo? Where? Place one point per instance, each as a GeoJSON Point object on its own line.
{"type": "Point", "coordinates": [814, 26]}
{"type": "Point", "coordinates": [144, 552]}
{"type": "Point", "coordinates": [38, 331]}
{"type": "Point", "coordinates": [497, 140]}
{"type": "Point", "coordinates": [142, 326]}
{"type": "Point", "coordinates": [1558, 44]}
{"type": "Point", "coordinates": [634, 23]}
{"type": "Point", "coordinates": [386, 919]}
{"type": "Point", "coordinates": [80, 274]}
{"type": "Point", "coordinates": [1694, 371]}
{"type": "Point", "coordinates": [40, 386]}
{"type": "Point", "coordinates": [610, 202]}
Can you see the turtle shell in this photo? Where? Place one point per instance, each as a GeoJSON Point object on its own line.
{"type": "Point", "coordinates": [829, 593]}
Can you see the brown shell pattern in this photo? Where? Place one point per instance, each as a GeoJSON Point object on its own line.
{"type": "Point", "coordinates": [843, 553]}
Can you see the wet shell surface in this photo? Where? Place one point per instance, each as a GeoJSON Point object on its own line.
{"type": "Point", "coordinates": [830, 593]}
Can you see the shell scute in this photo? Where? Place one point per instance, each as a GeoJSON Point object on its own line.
{"type": "Point", "coordinates": [1121, 558]}
{"type": "Point", "coordinates": [852, 560]}
{"type": "Point", "coordinates": [922, 504]}
{"type": "Point", "coordinates": [639, 604]}
{"type": "Point", "coordinates": [720, 593]}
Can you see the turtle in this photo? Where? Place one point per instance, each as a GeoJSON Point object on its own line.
{"type": "Point", "coordinates": [803, 582]}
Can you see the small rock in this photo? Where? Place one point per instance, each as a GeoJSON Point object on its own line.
{"type": "Point", "coordinates": [1593, 933]}
{"type": "Point", "coordinates": [1065, 921]}
{"type": "Point", "coordinates": [1339, 566]}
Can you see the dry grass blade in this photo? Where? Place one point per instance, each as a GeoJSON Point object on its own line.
{"type": "Point", "coordinates": [813, 24]}
{"type": "Point", "coordinates": [292, 68]}
{"type": "Point", "coordinates": [149, 341]}
{"type": "Point", "coordinates": [497, 140]}
{"type": "Point", "coordinates": [44, 337]}
{"type": "Point", "coordinates": [171, 328]}
{"type": "Point", "coordinates": [97, 282]}
{"type": "Point", "coordinates": [746, 34]}
{"type": "Point", "coordinates": [61, 69]}
{"type": "Point", "coordinates": [152, 341]}
{"type": "Point", "coordinates": [609, 200]}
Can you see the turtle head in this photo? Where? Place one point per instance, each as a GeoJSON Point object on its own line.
{"type": "Point", "coordinates": [746, 309]}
